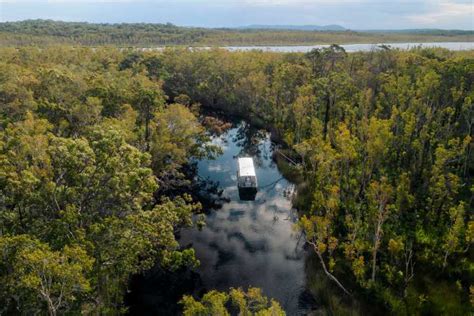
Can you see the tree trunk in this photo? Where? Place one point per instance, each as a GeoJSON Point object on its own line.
{"type": "Point", "coordinates": [374, 263]}
{"type": "Point", "coordinates": [147, 131]}
{"type": "Point", "coordinates": [375, 250]}
{"type": "Point", "coordinates": [445, 261]}
{"type": "Point", "coordinates": [329, 274]}
{"type": "Point", "coordinates": [326, 115]}
{"type": "Point", "coordinates": [51, 307]}
{"type": "Point", "coordinates": [409, 271]}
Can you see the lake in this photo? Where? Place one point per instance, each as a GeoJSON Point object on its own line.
{"type": "Point", "coordinates": [355, 47]}
{"type": "Point", "coordinates": [351, 48]}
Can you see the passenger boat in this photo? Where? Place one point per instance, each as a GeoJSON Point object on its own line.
{"type": "Point", "coordinates": [246, 179]}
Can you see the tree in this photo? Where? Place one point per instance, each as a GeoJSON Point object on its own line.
{"type": "Point", "coordinates": [244, 303]}
{"type": "Point", "coordinates": [319, 229]}
{"type": "Point", "coordinates": [327, 77]}
{"type": "Point", "coordinates": [100, 176]}
{"type": "Point", "coordinates": [383, 143]}
{"type": "Point", "coordinates": [135, 243]}
{"type": "Point", "coordinates": [59, 94]}
{"type": "Point", "coordinates": [149, 98]}
{"type": "Point", "coordinates": [176, 137]}
{"type": "Point", "coordinates": [94, 192]}
{"type": "Point", "coordinates": [453, 238]}
{"type": "Point", "coordinates": [30, 269]}
{"type": "Point", "coordinates": [379, 197]}
{"type": "Point", "coordinates": [16, 92]}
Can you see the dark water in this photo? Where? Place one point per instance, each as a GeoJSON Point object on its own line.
{"type": "Point", "coordinates": [250, 243]}
{"type": "Point", "coordinates": [245, 243]}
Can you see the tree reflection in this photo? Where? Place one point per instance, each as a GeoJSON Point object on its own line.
{"type": "Point", "coordinates": [249, 139]}
{"type": "Point", "coordinates": [204, 190]}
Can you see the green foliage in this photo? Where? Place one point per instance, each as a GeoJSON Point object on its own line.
{"type": "Point", "coordinates": [243, 303]}
{"type": "Point", "coordinates": [176, 135]}
{"type": "Point", "coordinates": [31, 270]}
{"type": "Point", "coordinates": [385, 147]}
{"type": "Point", "coordinates": [93, 191]}
{"type": "Point", "coordinates": [78, 210]}
{"type": "Point", "coordinates": [383, 141]}
{"type": "Point", "coordinates": [47, 32]}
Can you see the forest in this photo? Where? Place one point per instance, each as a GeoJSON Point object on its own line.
{"type": "Point", "coordinates": [94, 143]}
{"type": "Point", "coordinates": [47, 32]}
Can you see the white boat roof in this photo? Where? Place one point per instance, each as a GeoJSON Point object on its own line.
{"type": "Point", "coordinates": [246, 167]}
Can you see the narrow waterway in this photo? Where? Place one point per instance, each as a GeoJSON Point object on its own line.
{"type": "Point", "coordinates": [250, 243]}
{"type": "Point", "coordinates": [244, 243]}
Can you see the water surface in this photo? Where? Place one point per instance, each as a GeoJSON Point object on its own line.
{"type": "Point", "coordinates": [244, 243]}
{"type": "Point", "coordinates": [249, 243]}
{"type": "Point", "coordinates": [455, 46]}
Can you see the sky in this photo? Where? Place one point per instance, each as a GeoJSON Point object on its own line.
{"type": "Point", "coordinates": [353, 14]}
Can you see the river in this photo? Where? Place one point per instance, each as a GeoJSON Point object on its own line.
{"type": "Point", "coordinates": [250, 243]}
{"type": "Point", "coordinates": [244, 243]}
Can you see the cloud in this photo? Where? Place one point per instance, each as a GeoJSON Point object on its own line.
{"type": "Point", "coordinates": [65, 1]}
{"type": "Point", "coordinates": [269, 3]}
{"type": "Point", "coordinates": [445, 11]}
{"type": "Point", "coordinates": [354, 14]}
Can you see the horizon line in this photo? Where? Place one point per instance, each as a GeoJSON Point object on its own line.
{"type": "Point", "coordinates": [254, 26]}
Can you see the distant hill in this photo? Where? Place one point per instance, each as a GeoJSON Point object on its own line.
{"type": "Point", "coordinates": [332, 27]}
{"type": "Point", "coordinates": [440, 32]}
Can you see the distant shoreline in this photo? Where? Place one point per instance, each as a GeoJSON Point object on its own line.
{"type": "Point", "coordinates": [353, 47]}
{"type": "Point", "coordinates": [47, 33]}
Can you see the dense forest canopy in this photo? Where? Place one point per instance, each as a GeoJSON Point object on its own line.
{"type": "Point", "coordinates": [92, 142]}
{"type": "Point", "coordinates": [47, 32]}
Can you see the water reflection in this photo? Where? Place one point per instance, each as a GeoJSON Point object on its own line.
{"type": "Point", "coordinates": [248, 140]}
{"type": "Point", "coordinates": [245, 243]}
{"type": "Point", "coordinates": [249, 243]}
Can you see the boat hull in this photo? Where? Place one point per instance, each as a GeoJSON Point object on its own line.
{"type": "Point", "coordinates": [247, 193]}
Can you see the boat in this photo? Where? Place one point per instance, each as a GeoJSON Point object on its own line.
{"type": "Point", "coordinates": [246, 179]}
